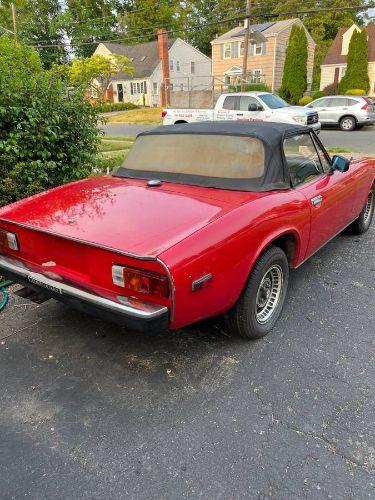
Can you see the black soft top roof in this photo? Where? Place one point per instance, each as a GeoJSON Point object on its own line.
{"type": "Point", "coordinates": [268, 132]}
{"type": "Point", "coordinates": [276, 175]}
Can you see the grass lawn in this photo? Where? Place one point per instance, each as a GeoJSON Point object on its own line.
{"type": "Point", "coordinates": [338, 150]}
{"type": "Point", "coordinates": [113, 151]}
{"type": "Point", "coordinates": [138, 116]}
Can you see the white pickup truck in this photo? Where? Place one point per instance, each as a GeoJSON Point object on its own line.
{"type": "Point", "coordinates": [246, 106]}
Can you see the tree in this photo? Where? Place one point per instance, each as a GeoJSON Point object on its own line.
{"type": "Point", "coordinates": [95, 72]}
{"type": "Point", "coordinates": [46, 139]}
{"type": "Point", "coordinates": [88, 21]}
{"type": "Point", "coordinates": [356, 76]}
{"type": "Point", "coordinates": [294, 81]}
{"type": "Point", "coordinates": [38, 23]}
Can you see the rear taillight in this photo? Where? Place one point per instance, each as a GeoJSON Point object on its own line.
{"type": "Point", "coordinates": [163, 113]}
{"type": "Point", "coordinates": [141, 281]}
{"type": "Point", "coordinates": [8, 240]}
{"type": "Point", "coordinates": [367, 104]}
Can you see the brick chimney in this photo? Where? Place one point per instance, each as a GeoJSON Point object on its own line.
{"type": "Point", "coordinates": [165, 93]}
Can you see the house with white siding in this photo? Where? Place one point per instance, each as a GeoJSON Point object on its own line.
{"type": "Point", "coordinates": [189, 69]}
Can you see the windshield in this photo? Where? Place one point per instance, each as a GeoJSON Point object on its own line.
{"type": "Point", "coordinates": [224, 156]}
{"type": "Point", "coordinates": [273, 101]}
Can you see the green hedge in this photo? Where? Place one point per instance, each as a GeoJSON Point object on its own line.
{"type": "Point", "coordinates": [115, 106]}
{"type": "Point", "coordinates": [46, 138]}
{"type": "Point", "coordinates": [251, 87]}
{"type": "Point", "coordinates": [306, 99]}
{"type": "Point", "coordinates": [355, 92]}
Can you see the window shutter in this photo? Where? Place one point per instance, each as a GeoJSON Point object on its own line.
{"type": "Point", "coordinates": [234, 49]}
{"type": "Point", "coordinates": [222, 51]}
{"type": "Point", "coordinates": [145, 87]}
{"type": "Point", "coordinates": [251, 49]}
{"type": "Point", "coordinates": [131, 88]}
{"type": "Point", "coordinates": [264, 48]}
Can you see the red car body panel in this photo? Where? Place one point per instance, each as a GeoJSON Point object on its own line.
{"type": "Point", "coordinates": [183, 232]}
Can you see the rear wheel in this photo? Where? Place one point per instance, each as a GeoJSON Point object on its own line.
{"type": "Point", "coordinates": [347, 123]}
{"type": "Point", "coordinates": [363, 223]}
{"type": "Point", "coordinates": [262, 299]}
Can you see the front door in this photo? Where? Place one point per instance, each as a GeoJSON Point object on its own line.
{"type": "Point", "coordinates": [328, 193]}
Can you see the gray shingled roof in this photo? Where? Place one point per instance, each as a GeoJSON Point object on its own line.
{"type": "Point", "coordinates": [264, 28]}
{"type": "Point", "coordinates": [144, 57]}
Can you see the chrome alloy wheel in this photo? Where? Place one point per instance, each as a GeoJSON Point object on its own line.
{"type": "Point", "coordinates": [347, 124]}
{"type": "Point", "coordinates": [269, 293]}
{"type": "Point", "coordinates": [368, 207]}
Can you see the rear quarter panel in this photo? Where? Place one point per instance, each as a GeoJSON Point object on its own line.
{"type": "Point", "coordinates": [228, 248]}
{"type": "Point", "coordinates": [363, 172]}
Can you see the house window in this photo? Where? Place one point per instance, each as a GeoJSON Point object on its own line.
{"type": "Point", "coordinates": [171, 64]}
{"type": "Point", "coordinates": [155, 87]}
{"type": "Point", "coordinates": [257, 76]}
{"type": "Point", "coordinates": [138, 87]}
{"type": "Point", "coordinates": [227, 51]}
{"type": "Point", "coordinates": [181, 87]}
{"type": "Point", "coordinates": [177, 65]}
{"type": "Point", "coordinates": [241, 47]}
{"type": "Point", "coordinates": [257, 49]}
{"type": "Point", "coordinates": [192, 67]}
{"type": "Point", "coordinates": [120, 92]}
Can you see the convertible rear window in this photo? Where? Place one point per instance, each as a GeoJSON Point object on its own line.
{"type": "Point", "coordinates": [220, 157]}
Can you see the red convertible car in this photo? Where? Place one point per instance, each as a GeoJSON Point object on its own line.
{"type": "Point", "coordinates": [202, 219]}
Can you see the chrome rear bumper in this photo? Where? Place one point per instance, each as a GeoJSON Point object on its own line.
{"type": "Point", "coordinates": [137, 315]}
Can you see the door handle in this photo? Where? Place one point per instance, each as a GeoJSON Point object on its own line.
{"type": "Point", "coordinates": [239, 114]}
{"type": "Point", "coordinates": [317, 201]}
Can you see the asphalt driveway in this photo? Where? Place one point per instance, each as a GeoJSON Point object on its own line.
{"type": "Point", "coordinates": [90, 410]}
{"type": "Point", "coordinates": [359, 141]}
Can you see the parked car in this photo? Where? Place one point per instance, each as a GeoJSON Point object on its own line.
{"type": "Point", "coordinates": [246, 106]}
{"type": "Point", "coordinates": [347, 112]}
{"type": "Point", "coordinates": [202, 219]}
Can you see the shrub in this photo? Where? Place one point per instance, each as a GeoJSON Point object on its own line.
{"type": "Point", "coordinates": [330, 89]}
{"type": "Point", "coordinates": [115, 106]}
{"type": "Point", "coordinates": [318, 94]}
{"type": "Point", "coordinates": [355, 92]}
{"type": "Point", "coordinates": [306, 99]}
{"type": "Point", "coordinates": [251, 87]}
{"type": "Point", "coordinates": [294, 81]}
{"type": "Point", "coordinates": [46, 139]}
{"type": "Point", "coordinates": [356, 76]}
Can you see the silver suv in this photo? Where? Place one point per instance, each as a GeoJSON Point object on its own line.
{"type": "Point", "coordinates": [349, 112]}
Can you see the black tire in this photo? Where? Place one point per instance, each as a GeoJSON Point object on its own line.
{"type": "Point", "coordinates": [347, 123]}
{"type": "Point", "coordinates": [362, 224]}
{"type": "Point", "coordinates": [244, 318]}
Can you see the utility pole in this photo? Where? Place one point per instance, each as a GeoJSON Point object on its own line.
{"type": "Point", "coordinates": [246, 43]}
{"type": "Point", "coordinates": [14, 16]}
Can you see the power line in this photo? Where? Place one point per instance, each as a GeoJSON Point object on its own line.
{"type": "Point", "coordinates": [214, 23]}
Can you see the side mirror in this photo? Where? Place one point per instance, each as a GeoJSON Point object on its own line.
{"type": "Point", "coordinates": [340, 163]}
{"type": "Point", "coordinates": [254, 107]}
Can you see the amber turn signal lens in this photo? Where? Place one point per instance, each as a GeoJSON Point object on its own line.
{"type": "Point", "coordinates": [141, 281]}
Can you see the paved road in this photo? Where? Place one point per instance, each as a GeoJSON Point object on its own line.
{"type": "Point", "coordinates": [90, 410]}
{"type": "Point", "coordinates": [360, 141]}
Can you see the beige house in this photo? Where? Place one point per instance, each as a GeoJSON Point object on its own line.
{"type": "Point", "coordinates": [266, 58]}
{"type": "Point", "coordinates": [334, 64]}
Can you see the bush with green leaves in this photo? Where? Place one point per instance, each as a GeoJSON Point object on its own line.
{"type": "Point", "coordinates": [46, 139]}
{"type": "Point", "coordinates": [251, 87]}
{"type": "Point", "coordinates": [115, 106]}
{"type": "Point", "coordinates": [355, 92]}
{"type": "Point", "coordinates": [318, 94]}
{"type": "Point", "coordinates": [356, 75]}
{"type": "Point", "coordinates": [306, 99]}
{"type": "Point", "coordinates": [294, 81]}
